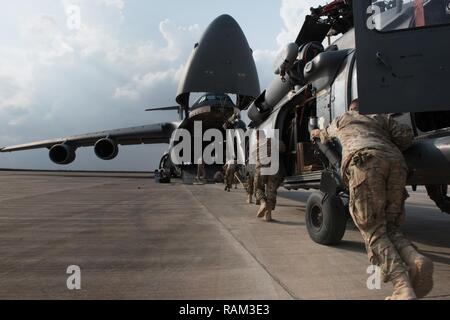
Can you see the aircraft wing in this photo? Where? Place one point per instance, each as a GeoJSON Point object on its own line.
{"type": "Point", "coordinates": [146, 134]}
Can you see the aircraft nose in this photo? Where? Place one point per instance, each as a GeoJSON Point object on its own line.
{"type": "Point", "coordinates": [221, 62]}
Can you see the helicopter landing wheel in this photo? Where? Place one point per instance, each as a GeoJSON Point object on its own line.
{"type": "Point", "coordinates": [326, 218]}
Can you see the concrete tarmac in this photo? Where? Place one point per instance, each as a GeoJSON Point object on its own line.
{"type": "Point", "coordinates": [134, 239]}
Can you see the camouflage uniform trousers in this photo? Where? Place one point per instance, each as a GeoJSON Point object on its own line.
{"type": "Point", "coordinates": [201, 174]}
{"type": "Point", "coordinates": [250, 179]}
{"type": "Point", "coordinates": [229, 175]}
{"type": "Point", "coordinates": [377, 199]}
{"type": "Point", "coordinates": [266, 187]}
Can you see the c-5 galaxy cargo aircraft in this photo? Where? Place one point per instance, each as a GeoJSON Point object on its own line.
{"type": "Point", "coordinates": [391, 55]}
{"type": "Point", "coordinates": [222, 63]}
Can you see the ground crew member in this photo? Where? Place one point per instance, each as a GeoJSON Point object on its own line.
{"type": "Point", "coordinates": [236, 177]}
{"type": "Point", "coordinates": [230, 169]}
{"type": "Point", "coordinates": [251, 177]}
{"type": "Point", "coordinates": [258, 182]}
{"type": "Point", "coordinates": [218, 177]}
{"type": "Point", "coordinates": [266, 194]}
{"type": "Point", "coordinates": [266, 186]}
{"type": "Point", "coordinates": [375, 171]}
{"type": "Point", "coordinates": [201, 173]}
{"type": "Point", "coordinates": [250, 182]}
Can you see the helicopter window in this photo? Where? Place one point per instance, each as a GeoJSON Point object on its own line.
{"type": "Point", "coordinates": [392, 15]}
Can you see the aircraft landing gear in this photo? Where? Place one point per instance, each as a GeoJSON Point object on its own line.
{"type": "Point", "coordinates": [326, 218]}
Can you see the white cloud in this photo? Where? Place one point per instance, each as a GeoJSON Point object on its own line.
{"type": "Point", "coordinates": [90, 40]}
{"type": "Point", "coordinates": [127, 92]}
{"type": "Point", "coordinates": [146, 56]}
{"type": "Point", "coordinates": [16, 79]}
{"type": "Point", "coordinates": [113, 4]}
{"type": "Point", "coordinates": [96, 74]}
{"type": "Point", "coordinates": [292, 13]}
{"type": "Point", "coordinates": [141, 65]}
{"type": "Point", "coordinates": [264, 60]}
{"type": "Point", "coordinates": [46, 41]}
{"type": "Point", "coordinates": [55, 81]}
{"type": "Point", "coordinates": [178, 38]}
{"type": "Point", "coordinates": [148, 81]}
{"type": "Point", "coordinates": [153, 65]}
{"type": "Point", "coordinates": [261, 55]}
{"type": "Point", "coordinates": [119, 4]}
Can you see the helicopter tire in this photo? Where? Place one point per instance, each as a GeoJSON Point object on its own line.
{"type": "Point", "coordinates": [326, 218]}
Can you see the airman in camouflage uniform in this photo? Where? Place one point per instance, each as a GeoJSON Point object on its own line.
{"type": "Point", "coordinates": [201, 173]}
{"type": "Point", "coordinates": [375, 171]}
{"type": "Point", "coordinates": [266, 186]}
{"type": "Point", "coordinates": [250, 182]}
{"type": "Point", "coordinates": [230, 169]}
{"type": "Point", "coordinates": [266, 193]}
{"type": "Point", "coordinates": [218, 177]}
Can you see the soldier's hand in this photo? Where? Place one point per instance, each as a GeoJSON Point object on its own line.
{"type": "Point", "coordinates": [315, 134]}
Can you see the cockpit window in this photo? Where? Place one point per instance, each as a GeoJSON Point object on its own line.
{"type": "Point", "coordinates": [202, 99]}
{"type": "Point", "coordinates": [392, 15]}
{"type": "Point", "coordinates": [218, 97]}
{"type": "Point", "coordinates": [214, 97]}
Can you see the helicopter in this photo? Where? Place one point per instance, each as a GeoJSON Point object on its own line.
{"type": "Point", "coordinates": [387, 54]}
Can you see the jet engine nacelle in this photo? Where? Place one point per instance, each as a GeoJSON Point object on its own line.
{"type": "Point", "coordinates": [62, 154]}
{"type": "Point", "coordinates": [106, 149]}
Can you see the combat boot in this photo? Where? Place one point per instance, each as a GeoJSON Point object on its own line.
{"type": "Point", "coordinates": [403, 289]}
{"type": "Point", "coordinates": [249, 198]}
{"type": "Point", "coordinates": [421, 270]}
{"type": "Point", "coordinates": [262, 209]}
{"type": "Point", "coordinates": [268, 216]}
{"type": "Point", "coordinates": [257, 202]}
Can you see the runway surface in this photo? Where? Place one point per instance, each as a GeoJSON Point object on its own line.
{"type": "Point", "coordinates": [134, 239]}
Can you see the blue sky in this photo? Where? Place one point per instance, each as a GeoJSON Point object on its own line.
{"type": "Point", "coordinates": [127, 55]}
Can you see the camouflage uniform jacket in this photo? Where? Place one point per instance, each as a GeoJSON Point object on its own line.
{"type": "Point", "coordinates": [376, 132]}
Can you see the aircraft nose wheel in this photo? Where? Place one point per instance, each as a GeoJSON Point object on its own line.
{"type": "Point", "coordinates": [326, 218]}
